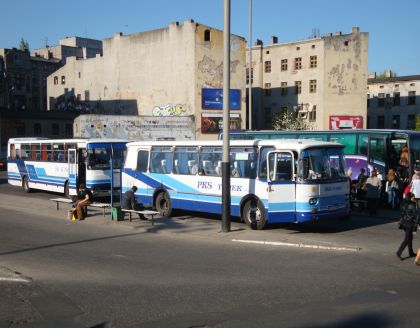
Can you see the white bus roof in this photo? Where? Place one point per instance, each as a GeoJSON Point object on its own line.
{"type": "Point", "coordinates": [76, 140]}
{"type": "Point", "coordinates": [297, 144]}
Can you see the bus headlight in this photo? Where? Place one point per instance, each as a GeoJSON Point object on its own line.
{"type": "Point", "coordinates": [312, 201]}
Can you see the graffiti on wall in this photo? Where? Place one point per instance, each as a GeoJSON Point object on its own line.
{"type": "Point", "coordinates": [135, 127]}
{"type": "Point", "coordinates": [169, 110]}
{"type": "Point", "coordinates": [209, 67]}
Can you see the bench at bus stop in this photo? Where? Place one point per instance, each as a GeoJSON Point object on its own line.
{"type": "Point", "coordinates": [145, 213]}
{"type": "Point", "coordinates": [103, 206]}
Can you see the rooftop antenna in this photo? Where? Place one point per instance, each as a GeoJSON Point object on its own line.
{"type": "Point", "coordinates": [315, 33]}
{"type": "Point", "coordinates": [46, 41]}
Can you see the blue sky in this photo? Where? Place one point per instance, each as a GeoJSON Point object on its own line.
{"type": "Point", "coordinates": [393, 26]}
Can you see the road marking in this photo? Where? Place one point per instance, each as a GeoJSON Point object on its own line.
{"type": "Point", "coordinates": [15, 279]}
{"type": "Point", "coordinates": [275, 243]}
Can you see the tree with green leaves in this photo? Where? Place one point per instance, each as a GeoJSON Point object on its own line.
{"type": "Point", "coordinates": [288, 120]}
{"type": "Point", "coordinates": [24, 45]}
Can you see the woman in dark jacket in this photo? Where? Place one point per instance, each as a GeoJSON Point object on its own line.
{"type": "Point", "coordinates": [408, 223]}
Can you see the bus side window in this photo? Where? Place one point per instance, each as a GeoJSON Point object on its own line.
{"type": "Point", "coordinates": [142, 160]}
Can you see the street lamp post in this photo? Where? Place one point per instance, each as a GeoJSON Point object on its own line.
{"type": "Point", "coordinates": [226, 88]}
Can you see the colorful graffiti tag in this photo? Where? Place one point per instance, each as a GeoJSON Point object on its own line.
{"type": "Point", "coordinates": [169, 110]}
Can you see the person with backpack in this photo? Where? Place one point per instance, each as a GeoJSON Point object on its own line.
{"type": "Point", "coordinates": [408, 223]}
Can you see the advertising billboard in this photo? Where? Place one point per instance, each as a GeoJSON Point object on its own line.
{"type": "Point", "coordinates": [213, 123]}
{"type": "Point", "coordinates": [213, 99]}
{"type": "Point", "coordinates": [338, 122]}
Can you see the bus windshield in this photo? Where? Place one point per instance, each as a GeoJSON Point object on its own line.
{"type": "Point", "coordinates": [98, 158]}
{"type": "Point", "coordinates": [326, 163]}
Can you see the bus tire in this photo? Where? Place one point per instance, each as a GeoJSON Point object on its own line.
{"type": "Point", "coordinates": [67, 190]}
{"type": "Point", "coordinates": [253, 214]}
{"type": "Point", "coordinates": [163, 204]}
{"type": "Point", "coordinates": [25, 184]}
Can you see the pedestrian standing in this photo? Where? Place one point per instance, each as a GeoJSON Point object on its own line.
{"type": "Point", "coordinates": [392, 189]}
{"type": "Point", "coordinates": [408, 223]}
{"type": "Point", "coordinates": [373, 192]}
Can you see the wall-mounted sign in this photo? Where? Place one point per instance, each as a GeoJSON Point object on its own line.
{"type": "Point", "coordinates": [213, 123]}
{"type": "Point", "coordinates": [213, 99]}
{"type": "Point", "coordinates": [346, 122]}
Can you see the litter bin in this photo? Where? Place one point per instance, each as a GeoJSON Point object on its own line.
{"type": "Point", "coordinates": [117, 214]}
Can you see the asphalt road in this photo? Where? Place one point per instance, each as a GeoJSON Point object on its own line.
{"type": "Point", "coordinates": [183, 272]}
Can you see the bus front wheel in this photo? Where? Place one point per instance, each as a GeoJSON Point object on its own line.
{"type": "Point", "coordinates": [25, 184]}
{"type": "Point", "coordinates": [163, 204]}
{"type": "Point", "coordinates": [254, 214]}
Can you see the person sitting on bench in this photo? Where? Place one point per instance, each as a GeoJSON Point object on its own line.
{"type": "Point", "coordinates": [129, 202]}
{"type": "Point", "coordinates": [85, 198]}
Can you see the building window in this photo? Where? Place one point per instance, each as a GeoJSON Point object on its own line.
{"type": "Point", "coordinates": [381, 122]}
{"type": "Point", "coordinates": [63, 79]}
{"type": "Point", "coordinates": [298, 87]}
{"type": "Point", "coordinates": [298, 63]}
{"type": "Point", "coordinates": [80, 74]}
{"type": "Point", "coordinates": [283, 88]}
{"type": "Point", "coordinates": [267, 89]}
{"type": "Point", "coordinates": [55, 80]}
{"type": "Point", "coordinates": [396, 100]}
{"type": "Point", "coordinates": [69, 130]}
{"type": "Point", "coordinates": [87, 96]}
{"type": "Point", "coordinates": [411, 122]}
{"type": "Point", "coordinates": [207, 35]}
{"type": "Point", "coordinates": [267, 66]}
{"type": "Point", "coordinates": [37, 129]}
{"type": "Point", "coordinates": [312, 86]}
{"type": "Point", "coordinates": [313, 61]}
{"type": "Point", "coordinates": [368, 101]}
{"type": "Point", "coordinates": [381, 99]}
{"type": "Point", "coordinates": [247, 75]}
{"type": "Point", "coordinates": [396, 121]}
{"type": "Point", "coordinates": [21, 129]}
{"type": "Point", "coordinates": [54, 129]}
{"type": "Point", "coordinates": [312, 114]}
{"type": "Point", "coordinates": [267, 117]}
{"type": "Point", "coordinates": [411, 97]}
{"type": "Point", "coordinates": [284, 65]}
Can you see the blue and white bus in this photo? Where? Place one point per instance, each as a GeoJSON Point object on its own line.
{"type": "Point", "coordinates": [61, 165]}
{"type": "Point", "coordinates": [368, 149]}
{"type": "Point", "coordinates": [272, 180]}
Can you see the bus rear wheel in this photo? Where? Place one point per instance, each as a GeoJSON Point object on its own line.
{"type": "Point", "coordinates": [163, 204]}
{"type": "Point", "coordinates": [254, 214]}
{"type": "Point", "coordinates": [25, 184]}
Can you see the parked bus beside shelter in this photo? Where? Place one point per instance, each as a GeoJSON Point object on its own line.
{"type": "Point", "coordinates": [272, 180]}
{"type": "Point", "coordinates": [60, 165]}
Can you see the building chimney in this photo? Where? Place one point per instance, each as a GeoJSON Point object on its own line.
{"type": "Point", "coordinates": [258, 42]}
{"type": "Point", "coordinates": [337, 33]}
{"type": "Point", "coordinates": [274, 39]}
{"type": "Point", "coordinates": [355, 29]}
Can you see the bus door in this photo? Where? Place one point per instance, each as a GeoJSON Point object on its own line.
{"type": "Point", "coordinates": [72, 162]}
{"type": "Point", "coordinates": [377, 154]}
{"type": "Point", "coordinates": [281, 186]}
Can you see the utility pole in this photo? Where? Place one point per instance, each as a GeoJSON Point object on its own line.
{"type": "Point", "coordinates": [250, 69]}
{"type": "Point", "coordinates": [226, 120]}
